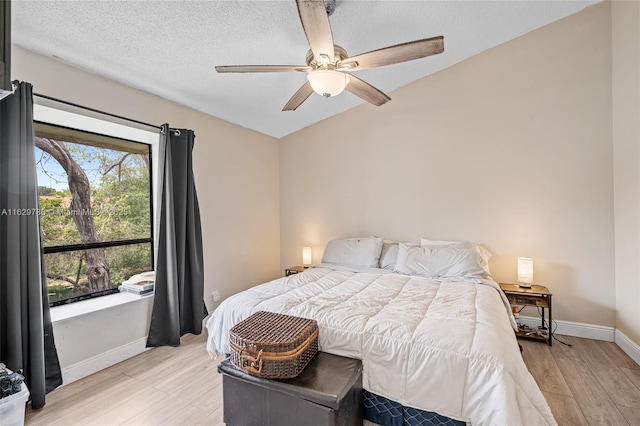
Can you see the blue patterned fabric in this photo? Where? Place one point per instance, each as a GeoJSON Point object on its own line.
{"type": "Point", "coordinates": [385, 412]}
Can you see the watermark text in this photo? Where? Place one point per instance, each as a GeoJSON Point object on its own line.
{"type": "Point", "coordinates": [111, 212]}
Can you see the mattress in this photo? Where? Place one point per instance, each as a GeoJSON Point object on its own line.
{"type": "Point", "coordinates": [446, 347]}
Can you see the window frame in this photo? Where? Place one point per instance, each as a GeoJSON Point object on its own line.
{"type": "Point", "coordinates": [111, 243]}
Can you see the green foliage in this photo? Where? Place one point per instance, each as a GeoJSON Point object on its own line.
{"type": "Point", "coordinates": [126, 261]}
{"type": "Point", "coordinates": [123, 204]}
{"type": "Point", "coordinates": [45, 190]}
{"type": "Point", "coordinates": [52, 192]}
{"type": "Point", "coordinates": [57, 224]}
{"type": "Point", "coordinates": [59, 291]}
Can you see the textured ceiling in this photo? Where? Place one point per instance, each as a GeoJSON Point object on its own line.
{"type": "Point", "coordinates": [170, 48]}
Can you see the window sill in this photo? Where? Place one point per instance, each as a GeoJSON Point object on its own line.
{"type": "Point", "coordinates": [73, 310]}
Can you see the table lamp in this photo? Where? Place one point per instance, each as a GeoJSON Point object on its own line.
{"type": "Point", "coordinates": [525, 272]}
{"type": "Point", "coordinates": [306, 256]}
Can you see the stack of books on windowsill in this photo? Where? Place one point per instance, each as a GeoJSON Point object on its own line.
{"type": "Point", "coordinates": [138, 288]}
{"type": "Point", "coordinates": [139, 284]}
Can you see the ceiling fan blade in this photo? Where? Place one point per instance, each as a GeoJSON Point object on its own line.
{"type": "Point", "coordinates": [364, 90]}
{"type": "Point", "coordinates": [315, 23]}
{"type": "Point", "coordinates": [300, 96]}
{"type": "Point", "coordinates": [263, 68]}
{"type": "Point", "coordinates": [395, 54]}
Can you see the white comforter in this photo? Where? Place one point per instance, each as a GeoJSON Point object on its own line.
{"type": "Point", "coordinates": [438, 346]}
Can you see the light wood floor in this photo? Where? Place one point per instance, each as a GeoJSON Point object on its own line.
{"type": "Point", "coordinates": [591, 383]}
{"type": "Point", "coordinates": [162, 386]}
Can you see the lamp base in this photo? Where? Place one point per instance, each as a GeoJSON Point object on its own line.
{"type": "Point", "coordinates": [524, 285]}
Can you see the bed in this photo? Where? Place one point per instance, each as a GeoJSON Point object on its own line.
{"type": "Point", "coordinates": [439, 344]}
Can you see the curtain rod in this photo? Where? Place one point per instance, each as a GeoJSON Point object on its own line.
{"type": "Point", "coordinates": [97, 110]}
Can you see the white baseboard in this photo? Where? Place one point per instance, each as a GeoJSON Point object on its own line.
{"type": "Point", "coordinates": [576, 329]}
{"type": "Point", "coordinates": [628, 346]}
{"type": "Point", "coordinates": [106, 359]}
{"type": "Point", "coordinates": [597, 332]}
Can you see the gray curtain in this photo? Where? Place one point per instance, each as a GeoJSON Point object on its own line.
{"type": "Point", "coordinates": [178, 305]}
{"type": "Point", "coordinates": [26, 333]}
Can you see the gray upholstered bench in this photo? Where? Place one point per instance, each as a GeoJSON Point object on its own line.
{"type": "Point", "coordinates": [328, 392]}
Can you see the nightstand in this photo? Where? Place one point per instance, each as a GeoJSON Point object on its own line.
{"type": "Point", "coordinates": [538, 296]}
{"type": "Point", "coordinates": [294, 270]}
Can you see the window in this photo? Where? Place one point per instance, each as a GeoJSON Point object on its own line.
{"type": "Point", "coordinates": [96, 210]}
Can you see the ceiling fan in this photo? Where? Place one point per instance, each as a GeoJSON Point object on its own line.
{"type": "Point", "coordinates": [328, 65]}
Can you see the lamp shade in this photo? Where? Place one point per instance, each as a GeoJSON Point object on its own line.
{"type": "Point", "coordinates": [306, 256]}
{"type": "Point", "coordinates": [525, 270]}
{"type": "Point", "coordinates": [327, 82]}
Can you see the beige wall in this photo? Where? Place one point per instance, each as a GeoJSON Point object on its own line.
{"type": "Point", "coordinates": [511, 148]}
{"type": "Point", "coordinates": [626, 147]}
{"type": "Point", "coordinates": [236, 170]}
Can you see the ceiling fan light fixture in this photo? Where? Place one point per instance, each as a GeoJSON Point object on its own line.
{"type": "Point", "coordinates": [327, 83]}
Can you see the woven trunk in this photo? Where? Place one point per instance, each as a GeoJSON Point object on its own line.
{"type": "Point", "coordinates": [273, 346]}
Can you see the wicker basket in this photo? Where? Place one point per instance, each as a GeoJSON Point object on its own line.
{"type": "Point", "coordinates": [273, 346]}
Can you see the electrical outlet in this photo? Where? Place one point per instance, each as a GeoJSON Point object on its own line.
{"type": "Point", "coordinates": [215, 296]}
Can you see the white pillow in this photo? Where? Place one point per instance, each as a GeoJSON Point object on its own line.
{"type": "Point", "coordinates": [439, 262]}
{"type": "Point", "coordinates": [485, 254]}
{"type": "Point", "coordinates": [436, 243]}
{"type": "Point", "coordinates": [389, 254]}
{"type": "Point", "coordinates": [354, 251]}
